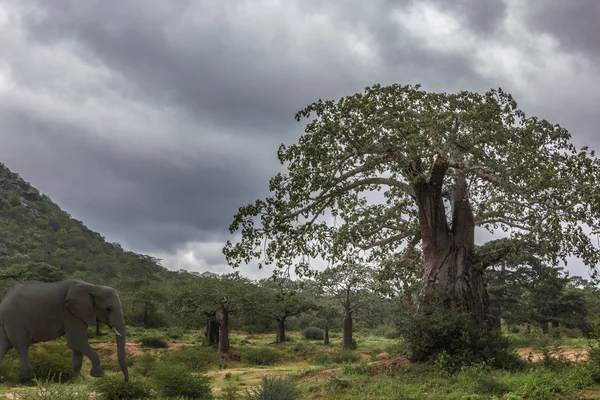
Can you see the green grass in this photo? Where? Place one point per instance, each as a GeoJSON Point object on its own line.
{"type": "Point", "coordinates": [327, 372]}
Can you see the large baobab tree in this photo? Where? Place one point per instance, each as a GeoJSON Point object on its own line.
{"type": "Point", "coordinates": [396, 168]}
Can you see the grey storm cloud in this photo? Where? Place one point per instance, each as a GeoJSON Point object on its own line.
{"type": "Point", "coordinates": [153, 122]}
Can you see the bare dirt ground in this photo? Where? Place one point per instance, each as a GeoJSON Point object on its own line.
{"type": "Point", "coordinates": [562, 352]}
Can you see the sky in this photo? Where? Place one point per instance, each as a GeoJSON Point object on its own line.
{"type": "Point", "coordinates": [153, 122]}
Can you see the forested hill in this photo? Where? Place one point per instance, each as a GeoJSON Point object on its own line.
{"type": "Point", "coordinates": [40, 241]}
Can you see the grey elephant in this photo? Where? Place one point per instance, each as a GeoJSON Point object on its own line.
{"type": "Point", "coordinates": [33, 311]}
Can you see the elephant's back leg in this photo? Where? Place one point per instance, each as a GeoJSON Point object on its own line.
{"type": "Point", "coordinates": [5, 345]}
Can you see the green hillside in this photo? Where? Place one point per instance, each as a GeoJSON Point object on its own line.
{"type": "Point", "coordinates": [38, 240]}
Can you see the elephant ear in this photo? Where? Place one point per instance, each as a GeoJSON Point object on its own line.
{"type": "Point", "coordinates": [80, 302]}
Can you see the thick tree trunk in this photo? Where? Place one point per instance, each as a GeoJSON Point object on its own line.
{"type": "Point", "coordinates": [555, 324]}
{"type": "Point", "coordinates": [545, 327]}
{"type": "Point", "coordinates": [212, 332]}
{"type": "Point", "coordinates": [347, 335]}
{"type": "Point", "coordinates": [224, 332]}
{"type": "Point", "coordinates": [280, 334]}
{"type": "Point", "coordinates": [448, 274]}
{"type": "Point", "coordinates": [326, 337]}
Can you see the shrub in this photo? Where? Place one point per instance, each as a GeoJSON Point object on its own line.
{"type": "Point", "coordinates": [145, 364]}
{"type": "Point", "coordinates": [113, 387]}
{"type": "Point", "coordinates": [196, 358]}
{"type": "Point", "coordinates": [261, 356]}
{"type": "Point", "coordinates": [175, 332]}
{"type": "Point", "coordinates": [52, 361]}
{"type": "Point", "coordinates": [46, 390]}
{"type": "Point", "coordinates": [112, 364]}
{"type": "Point", "coordinates": [313, 333]}
{"type": "Point", "coordinates": [336, 357]}
{"type": "Point", "coordinates": [275, 388]}
{"type": "Point", "coordinates": [176, 380]}
{"type": "Point", "coordinates": [453, 340]}
{"type": "Point", "coordinates": [154, 341]}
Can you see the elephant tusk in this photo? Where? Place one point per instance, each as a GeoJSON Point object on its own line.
{"type": "Point", "coordinates": [116, 331]}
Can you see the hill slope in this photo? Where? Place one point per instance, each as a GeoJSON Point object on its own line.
{"type": "Point", "coordinates": [38, 240]}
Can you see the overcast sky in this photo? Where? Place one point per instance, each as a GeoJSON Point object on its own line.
{"type": "Point", "coordinates": [152, 122]}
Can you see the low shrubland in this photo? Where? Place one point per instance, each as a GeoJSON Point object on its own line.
{"type": "Point", "coordinates": [382, 367]}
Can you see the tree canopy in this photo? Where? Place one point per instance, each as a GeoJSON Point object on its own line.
{"type": "Point", "coordinates": [397, 169]}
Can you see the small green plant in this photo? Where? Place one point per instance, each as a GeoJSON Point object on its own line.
{"type": "Point", "coordinates": [196, 358]}
{"type": "Point", "coordinates": [336, 357]}
{"type": "Point", "coordinates": [261, 356]}
{"type": "Point", "coordinates": [175, 332]}
{"type": "Point", "coordinates": [52, 361]}
{"type": "Point", "coordinates": [113, 387]}
{"type": "Point", "coordinates": [145, 364]}
{"type": "Point", "coordinates": [46, 389]}
{"type": "Point", "coordinates": [177, 381]}
{"type": "Point", "coordinates": [154, 341]}
{"type": "Point", "coordinates": [313, 333]}
{"type": "Point", "coordinates": [275, 388]}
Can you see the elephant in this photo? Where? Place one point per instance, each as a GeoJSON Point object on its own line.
{"type": "Point", "coordinates": [34, 311]}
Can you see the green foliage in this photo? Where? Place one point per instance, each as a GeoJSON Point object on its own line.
{"type": "Point", "coordinates": [340, 356]}
{"type": "Point", "coordinates": [261, 356]}
{"type": "Point", "coordinates": [454, 340]}
{"type": "Point", "coordinates": [154, 341]}
{"type": "Point", "coordinates": [196, 358]}
{"type": "Point", "coordinates": [275, 388]}
{"type": "Point", "coordinates": [313, 333]}
{"type": "Point", "coordinates": [51, 360]}
{"type": "Point", "coordinates": [175, 332]}
{"type": "Point", "coordinates": [174, 380]}
{"type": "Point", "coordinates": [113, 387]}
{"type": "Point", "coordinates": [47, 390]}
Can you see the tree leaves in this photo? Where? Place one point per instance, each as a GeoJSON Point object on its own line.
{"type": "Point", "coordinates": [351, 179]}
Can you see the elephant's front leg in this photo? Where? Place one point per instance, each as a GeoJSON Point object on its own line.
{"type": "Point", "coordinates": [76, 335]}
{"type": "Point", "coordinates": [77, 362]}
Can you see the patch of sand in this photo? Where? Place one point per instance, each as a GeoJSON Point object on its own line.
{"type": "Point", "coordinates": [568, 353]}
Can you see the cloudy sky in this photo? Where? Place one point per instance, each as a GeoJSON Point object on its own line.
{"type": "Point", "coordinates": [152, 122]}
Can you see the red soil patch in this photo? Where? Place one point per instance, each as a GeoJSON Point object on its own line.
{"type": "Point", "coordinates": [378, 366]}
{"type": "Point", "coordinates": [564, 352]}
{"type": "Point", "coordinates": [109, 350]}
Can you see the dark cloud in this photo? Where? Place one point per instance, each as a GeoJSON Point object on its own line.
{"type": "Point", "coordinates": [153, 124]}
{"type": "Point", "coordinates": [149, 203]}
{"type": "Point", "coordinates": [574, 24]}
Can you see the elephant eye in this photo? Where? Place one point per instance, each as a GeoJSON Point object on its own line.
{"type": "Point", "coordinates": [108, 309]}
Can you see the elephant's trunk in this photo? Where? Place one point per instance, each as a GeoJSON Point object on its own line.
{"type": "Point", "coordinates": [120, 336]}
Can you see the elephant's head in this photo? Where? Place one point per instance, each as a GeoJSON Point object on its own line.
{"type": "Point", "coordinates": [91, 303]}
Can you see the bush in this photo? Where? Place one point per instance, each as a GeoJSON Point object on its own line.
{"type": "Point", "coordinates": [313, 333]}
{"type": "Point", "coordinates": [154, 341]}
{"type": "Point", "coordinates": [113, 387]}
{"type": "Point", "coordinates": [176, 380]}
{"type": "Point", "coordinates": [145, 364]}
{"type": "Point", "coordinates": [46, 390]}
{"type": "Point", "coordinates": [453, 340]}
{"type": "Point", "coordinates": [52, 361]}
{"type": "Point", "coordinates": [336, 357]}
{"type": "Point", "coordinates": [196, 358]}
{"type": "Point", "coordinates": [113, 363]}
{"type": "Point", "coordinates": [175, 332]}
{"type": "Point", "coordinates": [275, 388]}
{"type": "Point", "coordinates": [261, 356]}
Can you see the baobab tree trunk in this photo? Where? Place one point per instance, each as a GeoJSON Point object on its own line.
{"type": "Point", "coordinates": [347, 335]}
{"type": "Point", "coordinates": [212, 332]}
{"type": "Point", "coordinates": [224, 332]}
{"type": "Point", "coordinates": [450, 274]}
{"type": "Point", "coordinates": [280, 335]}
{"type": "Point", "coordinates": [145, 315]}
{"type": "Point", "coordinates": [326, 337]}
